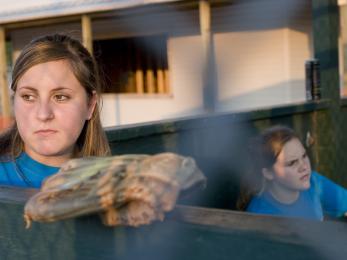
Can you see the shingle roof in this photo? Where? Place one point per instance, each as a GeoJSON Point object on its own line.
{"type": "Point", "coordinates": [72, 7]}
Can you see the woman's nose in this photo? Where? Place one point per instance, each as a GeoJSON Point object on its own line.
{"type": "Point", "coordinates": [45, 111]}
{"type": "Point", "coordinates": [303, 164]}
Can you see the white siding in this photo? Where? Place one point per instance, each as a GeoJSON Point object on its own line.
{"type": "Point", "coordinates": [260, 53]}
{"type": "Point", "coordinates": [251, 69]}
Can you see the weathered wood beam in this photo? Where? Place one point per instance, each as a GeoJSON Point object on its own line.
{"type": "Point", "coordinates": [5, 98]}
{"type": "Point", "coordinates": [42, 21]}
{"type": "Point", "coordinates": [167, 81]}
{"type": "Point", "coordinates": [161, 82]}
{"type": "Point", "coordinates": [139, 77]}
{"type": "Point", "coordinates": [87, 34]}
{"type": "Point", "coordinates": [209, 80]}
{"type": "Point", "coordinates": [150, 79]}
{"type": "Point", "coordinates": [343, 32]}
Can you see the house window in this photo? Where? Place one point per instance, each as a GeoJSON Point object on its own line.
{"type": "Point", "coordinates": [343, 47]}
{"type": "Point", "coordinates": [133, 65]}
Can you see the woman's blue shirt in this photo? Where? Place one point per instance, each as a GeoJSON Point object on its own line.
{"type": "Point", "coordinates": [324, 197]}
{"type": "Point", "coordinates": [24, 172]}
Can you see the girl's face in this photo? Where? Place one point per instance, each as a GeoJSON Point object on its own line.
{"type": "Point", "coordinates": [51, 108]}
{"type": "Point", "coordinates": [292, 169]}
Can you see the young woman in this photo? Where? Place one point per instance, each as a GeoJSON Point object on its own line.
{"type": "Point", "coordinates": [283, 183]}
{"type": "Point", "coordinates": [56, 88]}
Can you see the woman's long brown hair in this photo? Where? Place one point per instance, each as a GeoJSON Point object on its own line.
{"type": "Point", "coordinates": [92, 140]}
{"type": "Point", "coordinates": [263, 151]}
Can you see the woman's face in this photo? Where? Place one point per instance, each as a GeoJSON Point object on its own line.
{"type": "Point", "coordinates": [51, 108]}
{"type": "Point", "coordinates": [292, 168]}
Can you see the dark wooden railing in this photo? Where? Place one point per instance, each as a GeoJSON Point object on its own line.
{"type": "Point", "coordinates": [186, 233]}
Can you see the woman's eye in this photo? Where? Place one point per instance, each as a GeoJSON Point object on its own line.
{"type": "Point", "coordinates": [292, 163]}
{"type": "Point", "coordinates": [28, 97]}
{"type": "Point", "coordinates": [304, 155]}
{"type": "Point", "coordinates": [61, 98]}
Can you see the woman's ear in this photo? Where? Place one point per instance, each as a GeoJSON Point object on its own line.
{"type": "Point", "coordinates": [91, 105]}
{"type": "Point", "coordinates": [268, 175]}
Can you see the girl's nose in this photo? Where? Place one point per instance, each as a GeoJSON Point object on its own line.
{"type": "Point", "coordinates": [304, 164]}
{"type": "Point", "coordinates": [45, 111]}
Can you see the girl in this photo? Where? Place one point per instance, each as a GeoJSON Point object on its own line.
{"type": "Point", "coordinates": [285, 185]}
{"type": "Point", "coordinates": [56, 87]}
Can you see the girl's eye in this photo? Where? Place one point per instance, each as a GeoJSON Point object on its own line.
{"type": "Point", "coordinates": [292, 163]}
{"type": "Point", "coordinates": [27, 97]}
{"type": "Point", "coordinates": [304, 155]}
{"type": "Point", "coordinates": [61, 98]}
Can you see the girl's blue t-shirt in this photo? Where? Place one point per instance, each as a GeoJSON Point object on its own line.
{"type": "Point", "coordinates": [324, 197]}
{"type": "Point", "coordinates": [24, 172]}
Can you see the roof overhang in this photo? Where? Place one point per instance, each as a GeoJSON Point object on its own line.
{"type": "Point", "coordinates": [71, 8]}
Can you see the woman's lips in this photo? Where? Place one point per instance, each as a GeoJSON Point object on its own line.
{"type": "Point", "coordinates": [45, 132]}
{"type": "Point", "coordinates": [305, 177]}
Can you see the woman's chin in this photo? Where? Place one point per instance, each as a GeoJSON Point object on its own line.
{"type": "Point", "coordinates": [49, 152]}
{"type": "Point", "coordinates": [305, 186]}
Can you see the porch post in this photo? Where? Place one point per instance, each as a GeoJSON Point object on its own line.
{"type": "Point", "coordinates": [209, 72]}
{"type": "Point", "coordinates": [5, 98]}
{"type": "Point", "coordinates": [87, 35]}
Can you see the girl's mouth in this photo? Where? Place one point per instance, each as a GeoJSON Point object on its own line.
{"type": "Point", "coordinates": [305, 177]}
{"type": "Point", "coordinates": [45, 132]}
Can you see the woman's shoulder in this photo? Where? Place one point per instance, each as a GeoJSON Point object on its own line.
{"type": "Point", "coordinates": [323, 183]}
{"type": "Point", "coordinates": [6, 168]}
{"type": "Point", "coordinates": [6, 163]}
{"type": "Point", "coordinates": [318, 177]}
{"type": "Point", "coordinates": [5, 159]}
{"type": "Point", "coordinates": [315, 174]}
{"type": "Point", "coordinates": [262, 203]}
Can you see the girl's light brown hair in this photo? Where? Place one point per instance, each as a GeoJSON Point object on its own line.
{"type": "Point", "coordinates": [263, 151]}
{"type": "Point", "coordinates": [92, 140]}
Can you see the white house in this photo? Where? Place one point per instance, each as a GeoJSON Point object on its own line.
{"type": "Point", "coordinates": [154, 52]}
